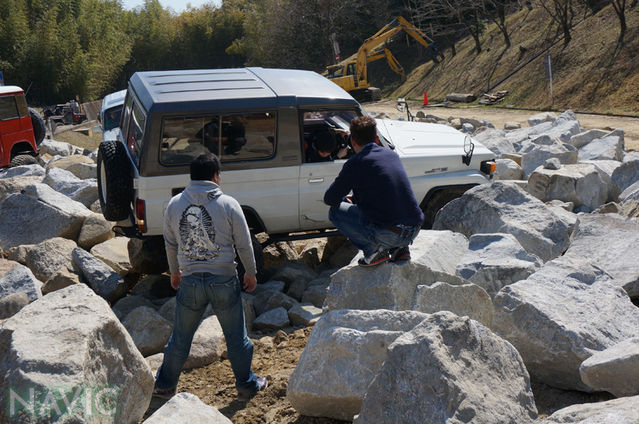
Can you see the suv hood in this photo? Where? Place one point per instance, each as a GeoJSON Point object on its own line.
{"type": "Point", "coordinates": [420, 138]}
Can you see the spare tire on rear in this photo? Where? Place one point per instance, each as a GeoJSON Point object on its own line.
{"type": "Point", "coordinates": [37, 122]}
{"type": "Point", "coordinates": [115, 180]}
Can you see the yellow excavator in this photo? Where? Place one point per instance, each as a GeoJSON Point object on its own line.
{"type": "Point", "coordinates": [351, 73]}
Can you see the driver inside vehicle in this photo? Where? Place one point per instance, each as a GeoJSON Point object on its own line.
{"type": "Point", "coordinates": [324, 147]}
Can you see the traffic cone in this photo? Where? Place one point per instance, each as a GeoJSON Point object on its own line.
{"type": "Point", "coordinates": [425, 99]}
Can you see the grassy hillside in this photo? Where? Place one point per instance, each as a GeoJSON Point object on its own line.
{"type": "Point", "coordinates": [592, 74]}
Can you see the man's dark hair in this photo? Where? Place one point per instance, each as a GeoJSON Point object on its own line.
{"type": "Point", "coordinates": [325, 142]}
{"type": "Point", "coordinates": [204, 167]}
{"type": "Point", "coordinates": [363, 130]}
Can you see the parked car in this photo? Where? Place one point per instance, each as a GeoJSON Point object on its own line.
{"type": "Point", "coordinates": [64, 113]}
{"type": "Point", "coordinates": [259, 121]}
{"type": "Point", "coordinates": [110, 114]}
{"type": "Point", "coordinates": [21, 128]}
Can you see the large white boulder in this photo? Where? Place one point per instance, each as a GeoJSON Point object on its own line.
{"type": "Point", "coordinates": [614, 370]}
{"type": "Point", "coordinates": [387, 286]}
{"type": "Point", "coordinates": [508, 169]}
{"type": "Point", "coordinates": [114, 253]}
{"type": "Point", "coordinates": [449, 369]}
{"type": "Point", "coordinates": [538, 118]}
{"type": "Point", "coordinates": [606, 168]}
{"type": "Point", "coordinates": [98, 275]}
{"type": "Point", "coordinates": [148, 329]}
{"type": "Point", "coordinates": [20, 279]}
{"type": "Point", "coordinates": [496, 260]}
{"type": "Point", "coordinates": [505, 208]}
{"type": "Point", "coordinates": [580, 184]}
{"type": "Point", "coordinates": [612, 243]}
{"type": "Point", "coordinates": [275, 319]}
{"type": "Point", "coordinates": [344, 352]}
{"type": "Point", "coordinates": [463, 300]}
{"type": "Point", "coordinates": [625, 175]}
{"type": "Point", "coordinates": [536, 151]}
{"type": "Point", "coordinates": [83, 191]}
{"type": "Point", "coordinates": [15, 185]}
{"type": "Point", "coordinates": [50, 256]}
{"type": "Point", "coordinates": [583, 138]}
{"type": "Point", "coordinates": [34, 170]}
{"type": "Point", "coordinates": [186, 408]}
{"type": "Point", "coordinates": [438, 250]}
{"type": "Point", "coordinates": [54, 148]}
{"type": "Point", "coordinates": [561, 315]}
{"type": "Point", "coordinates": [69, 343]}
{"type": "Point", "coordinates": [95, 230]}
{"type": "Point", "coordinates": [609, 147]}
{"type": "Point", "coordinates": [495, 140]}
{"type": "Point", "coordinates": [616, 411]}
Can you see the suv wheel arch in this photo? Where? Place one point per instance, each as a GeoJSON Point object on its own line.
{"type": "Point", "coordinates": [437, 198]}
{"type": "Point", "coordinates": [255, 223]}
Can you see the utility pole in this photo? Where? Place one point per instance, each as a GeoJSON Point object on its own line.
{"type": "Point", "coordinates": [548, 72]}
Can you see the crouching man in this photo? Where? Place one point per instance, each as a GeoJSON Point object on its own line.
{"type": "Point", "coordinates": [201, 227]}
{"type": "Point", "coordinates": [382, 217]}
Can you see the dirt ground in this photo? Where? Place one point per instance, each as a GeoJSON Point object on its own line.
{"type": "Point", "coordinates": [499, 116]}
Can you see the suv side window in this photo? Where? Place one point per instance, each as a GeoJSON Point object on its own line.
{"type": "Point", "coordinates": [137, 123]}
{"type": "Point", "coordinates": [236, 137]}
{"type": "Point", "coordinates": [323, 128]}
{"type": "Point", "coordinates": [8, 108]}
{"type": "Point", "coordinates": [21, 102]}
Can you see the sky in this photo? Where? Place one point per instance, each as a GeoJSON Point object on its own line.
{"type": "Point", "coordinates": [178, 6]}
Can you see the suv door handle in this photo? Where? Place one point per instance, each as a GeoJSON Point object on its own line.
{"type": "Point", "coordinates": [315, 180]}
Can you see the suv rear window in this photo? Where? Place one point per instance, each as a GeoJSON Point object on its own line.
{"type": "Point", "coordinates": [135, 134]}
{"type": "Point", "coordinates": [235, 137]}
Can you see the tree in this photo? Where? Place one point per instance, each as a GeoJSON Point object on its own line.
{"type": "Point", "coordinates": [619, 7]}
{"type": "Point", "coordinates": [497, 10]}
{"type": "Point", "coordinates": [562, 13]}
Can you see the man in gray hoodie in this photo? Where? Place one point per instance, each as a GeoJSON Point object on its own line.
{"type": "Point", "coordinates": [202, 226]}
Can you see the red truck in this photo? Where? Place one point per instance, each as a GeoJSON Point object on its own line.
{"type": "Point", "coordinates": [21, 128]}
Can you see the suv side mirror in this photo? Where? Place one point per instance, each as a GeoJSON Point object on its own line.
{"type": "Point", "coordinates": [469, 148]}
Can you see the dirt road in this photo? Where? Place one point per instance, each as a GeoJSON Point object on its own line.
{"type": "Point", "coordinates": [498, 117]}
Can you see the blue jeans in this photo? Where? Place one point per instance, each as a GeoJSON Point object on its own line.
{"type": "Point", "coordinates": [196, 291]}
{"type": "Point", "coordinates": [365, 235]}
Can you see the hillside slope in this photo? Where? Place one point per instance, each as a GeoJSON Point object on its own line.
{"type": "Point", "coordinates": [592, 74]}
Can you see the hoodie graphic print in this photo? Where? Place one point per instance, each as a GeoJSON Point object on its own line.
{"type": "Point", "coordinates": [197, 234]}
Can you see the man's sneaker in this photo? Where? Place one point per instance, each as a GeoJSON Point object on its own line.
{"type": "Point", "coordinates": [400, 254]}
{"type": "Point", "coordinates": [166, 393]}
{"type": "Point", "coordinates": [376, 258]}
{"type": "Point", "coordinates": [262, 384]}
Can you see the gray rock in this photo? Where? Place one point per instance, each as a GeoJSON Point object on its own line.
{"type": "Point", "coordinates": [34, 170]}
{"type": "Point", "coordinates": [632, 192]}
{"type": "Point", "coordinates": [438, 250]}
{"type": "Point", "coordinates": [512, 125]}
{"type": "Point", "coordinates": [154, 287]}
{"type": "Point", "coordinates": [84, 171]}
{"type": "Point", "coordinates": [344, 352]}
{"type": "Point", "coordinates": [20, 279]}
{"type": "Point", "coordinates": [46, 258]}
{"type": "Point", "coordinates": [69, 340]}
{"type": "Point", "coordinates": [304, 315]}
{"type": "Point", "coordinates": [296, 276]}
{"type": "Point", "coordinates": [561, 315]}
{"type": "Point", "coordinates": [275, 319]}
{"type": "Point", "coordinates": [496, 260]}
{"type": "Point", "coordinates": [463, 300]}
{"type": "Point", "coordinates": [95, 230]}
{"type": "Point", "coordinates": [17, 227]}
{"type": "Point", "coordinates": [387, 286]}
{"type": "Point", "coordinates": [606, 168]}
{"type": "Point", "coordinates": [552, 163]}
{"type": "Point", "coordinates": [83, 191]}
{"type": "Point", "coordinates": [208, 344]}
{"type": "Point", "coordinates": [580, 184]}
{"type": "Point", "coordinates": [631, 156]}
{"type": "Point", "coordinates": [148, 329]}
{"type": "Point", "coordinates": [279, 300]}
{"type": "Point", "coordinates": [12, 304]}
{"type": "Point", "coordinates": [271, 285]}
{"type": "Point", "coordinates": [505, 208]}
{"type": "Point", "coordinates": [534, 153]}
{"type": "Point", "coordinates": [565, 126]}
{"type": "Point", "coordinates": [625, 175]}
{"type": "Point", "coordinates": [277, 254]}
{"type": "Point", "coordinates": [59, 280]}
{"type": "Point", "coordinates": [186, 408]}
{"type": "Point", "coordinates": [467, 128]}
{"type": "Point", "coordinates": [610, 147]}
{"type": "Point", "coordinates": [122, 307]}
{"type": "Point", "coordinates": [98, 275]}
{"type": "Point", "coordinates": [495, 140]}
{"type": "Point", "coordinates": [15, 185]}
{"type": "Point", "coordinates": [614, 370]}
{"type": "Point", "coordinates": [611, 243]}
{"type": "Point", "coordinates": [316, 294]}
{"type": "Point", "coordinates": [507, 169]}
{"type": "Point", "coordinates": [54, 148]}
{"type": "Point", "coordinates": [167, 310]}
{"type": "Point", "coordinates": [583, 138]}
{"type": "Point", "coordinates": [541, 117]}
{"type": "Point", "coordinates": [616, 411]}
{"type": "Point", "coordinates": [114, 253]}
{"type": "Point", "coordinates": [449, 369]}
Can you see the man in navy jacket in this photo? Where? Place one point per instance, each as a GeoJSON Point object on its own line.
{"type": "Point", "coordinates": [382, 217]}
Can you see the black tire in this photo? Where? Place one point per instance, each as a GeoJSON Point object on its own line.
{"type": "Point", "coordinates": [39, 129]}
{"type": "Point", "coordinates": [259, 260]}
{"type": "Point", "coordinates": [23, 159]}
{"type": "Point", "coordinates": [115, 181]}
{"type": "Point", "coordinates": [436, 202]}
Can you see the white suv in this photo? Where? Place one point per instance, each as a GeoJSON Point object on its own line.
{"type": "Point", "coordinates": [259, 122]}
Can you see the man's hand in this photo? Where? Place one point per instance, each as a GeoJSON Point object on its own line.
{"type": "Point", "coordinates": [349, 199]}
{"type": "Point", "coordinates": [176, 279]}
{"type": "Point", "coordinates": [250, 282]}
